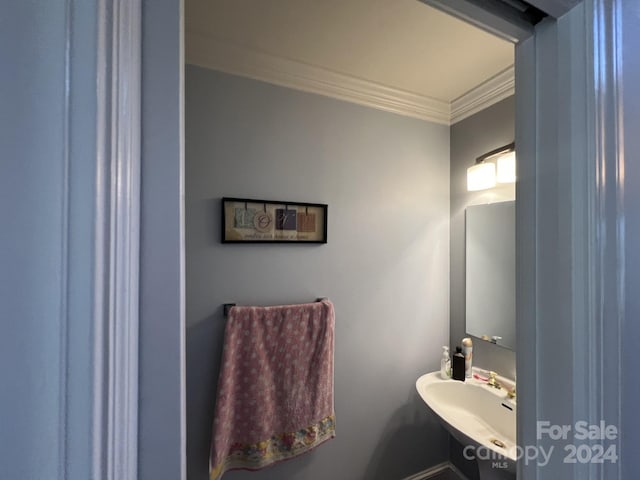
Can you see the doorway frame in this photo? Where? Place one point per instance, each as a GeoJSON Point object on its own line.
{"type": "Point", "coordinates": [569, 194]}
{"type": "Point", "coordinates": [138, 429]}
{"type": "Point", "coordinates": [590, 212]}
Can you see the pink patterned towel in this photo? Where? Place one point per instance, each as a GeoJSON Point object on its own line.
{"type": "Point", "coordinates": [275, 390]}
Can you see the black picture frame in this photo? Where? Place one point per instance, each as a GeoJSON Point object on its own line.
{"type": "Point", "coordinates": [250, 220]}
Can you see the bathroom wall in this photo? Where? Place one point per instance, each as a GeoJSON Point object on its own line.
{"type": "Point", "coordinates": [385, 178]}
{"type": "Point", "coordinates": [470, 138]}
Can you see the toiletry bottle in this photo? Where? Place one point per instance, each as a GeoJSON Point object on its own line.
{"type": "Point", "coordinates": [467, 351]}
{"type": "Point", "coordinates": [457, 371]}
{"type": "Point", "coordinates": [445, 364]}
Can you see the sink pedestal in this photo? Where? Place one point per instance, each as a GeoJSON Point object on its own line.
{"type": "Point", "coordinates": [478, 416]}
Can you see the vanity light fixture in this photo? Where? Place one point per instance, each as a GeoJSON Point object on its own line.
{"type": "Point", "coordinates": [507, 167]}
{"type": "Point", "coordinates": [483, 175]}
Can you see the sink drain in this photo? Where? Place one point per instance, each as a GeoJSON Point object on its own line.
{"type": "Point", "coordinates": [498, 443]}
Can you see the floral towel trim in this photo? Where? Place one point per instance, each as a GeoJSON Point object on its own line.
{"type": "Point", "coordinates": [278, 447]}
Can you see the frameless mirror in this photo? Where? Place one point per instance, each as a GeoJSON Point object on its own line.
{"type": "Point", "coordinates": [491, 272]}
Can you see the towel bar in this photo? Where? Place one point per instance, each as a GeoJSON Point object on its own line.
{"type": "Point", "coordinates": [226, 307]}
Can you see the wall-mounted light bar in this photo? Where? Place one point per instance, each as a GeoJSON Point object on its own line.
{"type": "Point", "coordinates": [484, 174]}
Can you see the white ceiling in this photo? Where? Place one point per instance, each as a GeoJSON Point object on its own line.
{"type": "Point", "coordinates": [402, 46]}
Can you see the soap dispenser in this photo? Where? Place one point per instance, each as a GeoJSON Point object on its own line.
{"type": "Point", "coordinates": [457, 372]}
{"type": "Point", "coordinates": [445, 364]}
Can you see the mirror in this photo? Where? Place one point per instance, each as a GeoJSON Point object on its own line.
{"type": "Point", "coordinates": [490, 246]}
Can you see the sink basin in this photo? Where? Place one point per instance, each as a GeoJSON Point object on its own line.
{"type": "Point", "coordinates": [476, 415]}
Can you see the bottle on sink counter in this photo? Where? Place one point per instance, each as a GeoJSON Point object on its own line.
{"type": "Point", "coordinates": [467, 351]}
{"type": "Point", "coordinates": [445, 364]}
{"type": "Point", "coordinates": [457, 367]}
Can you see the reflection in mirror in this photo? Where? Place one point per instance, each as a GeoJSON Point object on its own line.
{"type": "Point", "coordinates": [491, 272]}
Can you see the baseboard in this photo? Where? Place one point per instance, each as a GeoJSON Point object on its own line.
{"type": "Point", "coordinates": [430, 472]}
{"type": "Point", "coordinates": [436, 470]}
{"type": "Point", "coordinates": [457, 471]}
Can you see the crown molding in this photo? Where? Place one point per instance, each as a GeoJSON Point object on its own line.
{"type": "Point", "coordinates": [484, 95]}
{"type": "Point", "coordinates": [211, 52]}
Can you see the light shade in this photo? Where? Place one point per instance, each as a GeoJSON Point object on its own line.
{"type": "Point", "coordinates": [507, 168]}
{"type": "Point", "coordinates": [481, 176]}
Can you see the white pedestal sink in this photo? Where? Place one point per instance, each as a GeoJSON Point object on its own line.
{"type": "Point", "coordinates": [480, 417]}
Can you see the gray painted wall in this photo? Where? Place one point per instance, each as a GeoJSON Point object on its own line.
{"type": "Point", "coordinates": [470, 138]}
{"type": "Point", "coordinates": [386, 266]}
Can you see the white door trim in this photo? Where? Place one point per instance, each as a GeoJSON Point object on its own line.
{"type": "Point", "coordinates": [570, 305]}
{"type": "Point", "coordinates": [570, 223]}
{"type": "Point", "coordinates": [117, 235]}
{"type": "Point", "coordinates": [602, 339]}
{"type": "Point", "coordinates": [555, 8]}
{"type": "Point", "coordinates": [486, 17]}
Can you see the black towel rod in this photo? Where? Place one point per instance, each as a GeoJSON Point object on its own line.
{"type": "Point", "coordinates": [227, 306]}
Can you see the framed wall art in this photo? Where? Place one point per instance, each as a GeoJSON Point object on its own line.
{"type": "Point", "coordinates": [266, 221]}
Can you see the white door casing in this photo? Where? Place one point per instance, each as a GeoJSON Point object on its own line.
{"type": "Point", "coordinates": [117, 237]}
{"type": "Point", "coordinates": [571, 217]}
